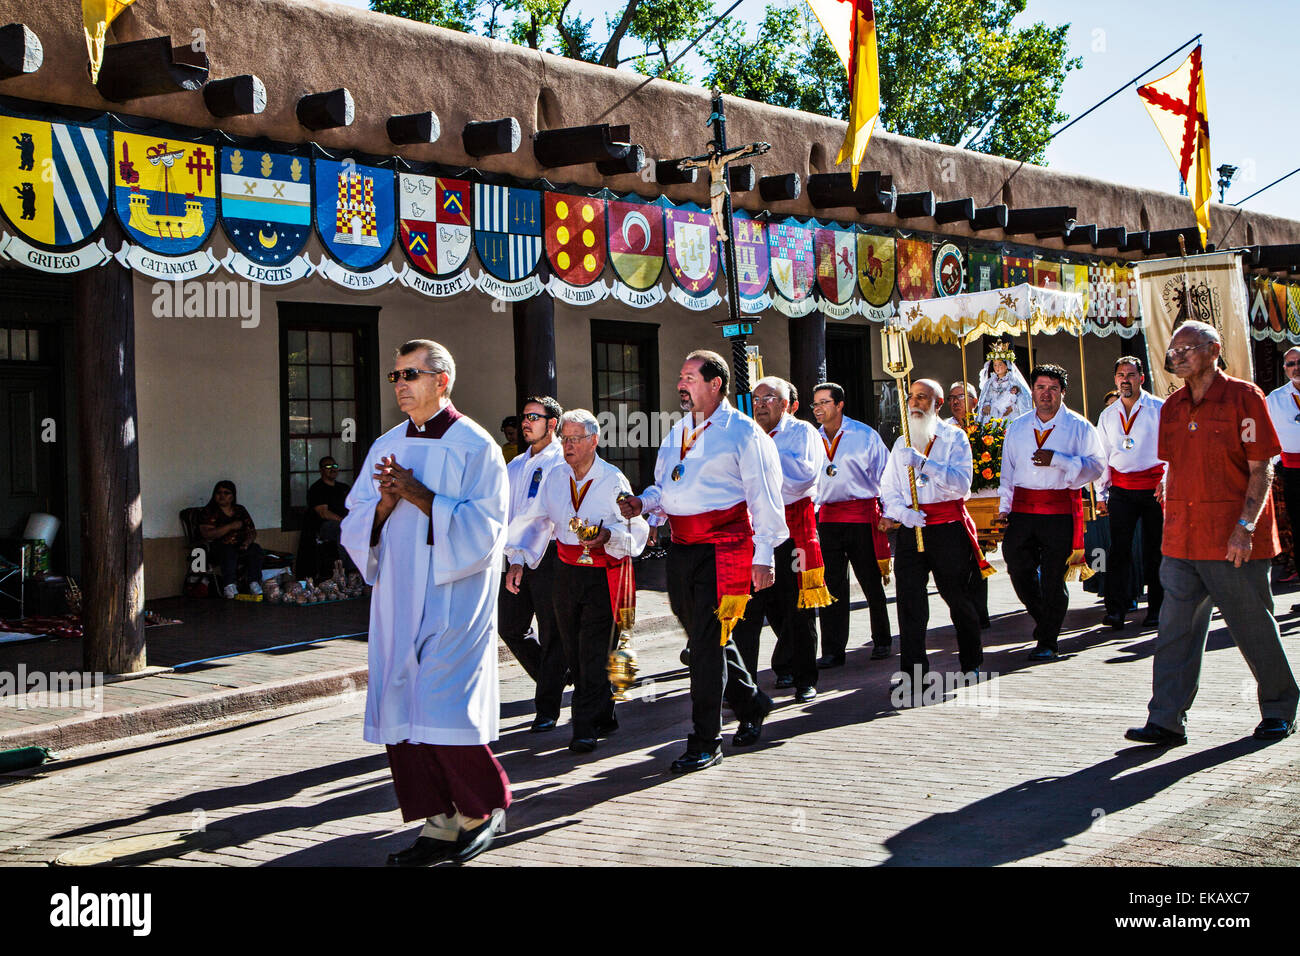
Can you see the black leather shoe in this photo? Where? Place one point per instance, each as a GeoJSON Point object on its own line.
{"type": "Point", "coordinates": [1114, 621]}
{"type": "Point", "coordinates": [582, 745]}
{"type": "Point", "coordinates": [750, 730]}
{"type": "Point", "coordinates": [1043, 654]}
{"type": "Point", "coordinates": [785, 680]}
{"type": "Point", "coordinates": [694, 760]}
{"type": "Point", "coordinates": [1274, 728]}
{"type": "Point", "coordinates": [804, 694]}
{"type": "Point", "coordinates": [473, 842]}
{"type": "Point", "coordinates": [880, 651]}
{"type": "Point", "coordinates": [1151, 620]}
{"type": "Point", "coordinates": [685, 657]}
{"type": "Point", "coordinates": [827, 661]}
{"type": "Point", "coordinates": [425, 851]}
{"type": "Point", "coordinates": [541, 725]}
{"type": "Point", "coordinates": [605, 728]}
{"type": "Point", "coordinates": [1155, 734]}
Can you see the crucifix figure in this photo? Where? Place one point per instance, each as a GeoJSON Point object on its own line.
{"type": "Point", "coordinates": [716, 161]}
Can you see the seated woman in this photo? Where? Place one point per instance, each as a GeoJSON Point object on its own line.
{"type": "Point", "coordinates": [229, 531]}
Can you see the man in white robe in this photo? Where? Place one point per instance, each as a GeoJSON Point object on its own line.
{"type": "Point", "coordinates": [427, 529]}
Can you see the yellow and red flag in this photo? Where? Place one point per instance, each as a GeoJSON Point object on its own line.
{"type": "Point", "coordinates": [98, 16]}
{"type": "Point", "coordinates": [850, 26]}
{"type": "Point", "coordinates": [1177, 106]}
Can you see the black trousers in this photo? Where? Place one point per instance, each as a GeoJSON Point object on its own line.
{"type": "Point", "coordinates": [979, 594]}
{"type": "Point", "coordinates": [948, 556]}
{"type": "Point", "coordinates": [847, 543]}
{"type": "Point", "coordinates": [1126, 509]}
{"type": "Point", "coordinates": [795, 628]}
{"type": "Point", "coordinates": [544, 660]}
{"type": "Point", "coordinates": [1037, 550]}
{"type": "Point", "coordinates": [715, 670]}
{"type": "Point", "coordinates": [1291, 492]}
{"type": "Point", "coordinates": [227, 558]}
{"type": "Point", "coordinates": [586, 624]}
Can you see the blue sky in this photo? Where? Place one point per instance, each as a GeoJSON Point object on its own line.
{"type": "Point", "coordinates": [1249, 55]}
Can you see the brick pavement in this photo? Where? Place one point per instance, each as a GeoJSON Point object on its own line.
{"type": "Point", "coordinates": [1030, 768]}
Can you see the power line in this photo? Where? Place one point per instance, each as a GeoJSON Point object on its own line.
{"type": "Point", "coordinates": [1094, 107]}
{"type": "Point", "coordinates": [1269, 186]}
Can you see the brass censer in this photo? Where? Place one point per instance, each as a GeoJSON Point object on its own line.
{"type": "Point", "coordinates": [622, 664]}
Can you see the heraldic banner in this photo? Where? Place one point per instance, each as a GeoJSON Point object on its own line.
{"type": "Point", "coordinates": [1207, 288]}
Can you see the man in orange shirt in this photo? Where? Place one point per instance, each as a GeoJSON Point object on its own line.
{"type": "Point", "coordinates": [1219, 535]}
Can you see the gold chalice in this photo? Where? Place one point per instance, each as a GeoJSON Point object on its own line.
{"type": "Point", "coordinates": [586, 534]}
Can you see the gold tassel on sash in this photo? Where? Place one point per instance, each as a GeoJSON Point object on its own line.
{"type": "Point", "coordinates": [812, 589]}
{"type": "Point", "coordinates": [884, 564]}
{"type": "Point", "coordinates": [731, 610]}
{"type": "Point", "coordinates": [1078, 569]}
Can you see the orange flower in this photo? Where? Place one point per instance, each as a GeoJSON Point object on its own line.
{"type": "Point", "coordinates": [986, 457]}
{"type": "Point", "coordinates": [987, 473]}
{"type": "Point", "coordinates": [988, 439]}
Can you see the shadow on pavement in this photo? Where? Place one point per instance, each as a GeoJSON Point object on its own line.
{"type": "Point", "coordinates": [1040, 815]}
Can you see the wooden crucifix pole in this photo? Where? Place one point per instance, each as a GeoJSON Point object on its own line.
{"type": "Point", "coordinates": [112, 580]}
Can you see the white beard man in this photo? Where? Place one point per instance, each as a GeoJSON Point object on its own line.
{"type": "Point", "coordinates": [939, 453]}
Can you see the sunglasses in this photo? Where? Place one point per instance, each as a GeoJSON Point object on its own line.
{"type": "Point", "coordinates": [408, 374]}
{"type": "Point", "coordinates": [533, 416]}
{"type": "Point", "coordinates": [1290, 364]}
{"type": "Point", "coordinates": [330, 467]}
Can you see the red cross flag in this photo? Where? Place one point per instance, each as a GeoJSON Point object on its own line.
{"type": "Point", "coordinates": [850, 26]}
{"type": "Point", "coordinates": [1177, 106]}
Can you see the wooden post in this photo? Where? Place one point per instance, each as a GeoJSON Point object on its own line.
{"type": "Point", "coordinates": [807, 358]}
{"type": "Point", "coordinates": [534, 347]}
{"type": "Point", "coordinates": [112, 581]}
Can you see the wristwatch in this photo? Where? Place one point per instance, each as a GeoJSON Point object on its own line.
{"type": "Point", "coordinates": [1248, 525]}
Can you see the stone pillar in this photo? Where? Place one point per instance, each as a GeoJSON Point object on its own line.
{"type": "Point", "coordinates": [534, 347]}
{"type": "Point", "coordinates": [807, 358]}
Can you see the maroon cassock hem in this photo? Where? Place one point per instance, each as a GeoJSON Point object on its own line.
{"type": "Point", "coordinates": [441, 778]}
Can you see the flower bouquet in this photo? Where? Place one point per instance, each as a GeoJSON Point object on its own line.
{"type": "Point", "coordinates": [986, 453]}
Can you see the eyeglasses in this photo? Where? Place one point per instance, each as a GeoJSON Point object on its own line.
{"type": "Point", "coordinates": [408, 374]}
{"type": "Point", "coordinates": [574, 439]}
{"type": "Point", "coordinates": [330, 467]}
{"type": "Point", "coordinates": [1176, 354]}
{"type": "Point", "coordinates": [534, 416]}
{"type": "Point", "coordinates": [766, 399]}
{"type": "Point", "coordinates": [824, 403]}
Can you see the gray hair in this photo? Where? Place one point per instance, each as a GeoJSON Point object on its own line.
{"type": "Point", "coordinates": [1204, 332]}
{"type": "Point", "coordinates": [778, 385]}
{"type": "Point", "coordinates": [972, 393]}
{"type": "Point", "coordinates": [936, 390]}
{"type": "Point", "coordinates": [579, 416]}
{"type": "Point", "coordinates": [436, 357]}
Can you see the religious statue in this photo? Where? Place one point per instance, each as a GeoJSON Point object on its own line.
{"type": "Point", "coordinates": [716, 162]}
{"type": "Point", "coordinates": [1004, 393]}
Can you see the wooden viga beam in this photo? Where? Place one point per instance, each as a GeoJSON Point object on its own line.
{"type": "Point", "coordinates": [778, 188]}
{"type": "Point", "coordinates": [328, 110]}
{"type": "Point", "coordinates": [668, 173]}
{"type": "Point", "coordinates": [1042, 221]}
{"type": "Point", "coordinates": [413, 129]}
{"type": "Point", "coordinates": [20, 50]}
{"type": "Point", "coordinates": [1276, 258]}
{"type": "Point", "coordinates": [1112, 237]}
{"type": "Point", "coordinates": [915, 205]}
{"type": "Point", "coordinates": [150, 67]}
{"type": "Point", "coordinates": [491, 137]}
{"type": "Point", "coordinates": [573, 145]}
{"type": "Point", "coordinates": [989, 217]}
{"type": "Point", "coordinates": [954, 210]}
{"type": "Point", "coordinates": [629, 162]}
{"type": "Point", "coordinates": [235, 96]}
{"type": "Point", "coordinates": [832, 190]}
{"type": "Point", "coordinates": [1082, 236]}
{"type": "Point", "coordinates": [1135, 242]}
{"type": "Point", "coordinates": [741, 178]}
{"type": "Point", "coordinates": [1165, 241]}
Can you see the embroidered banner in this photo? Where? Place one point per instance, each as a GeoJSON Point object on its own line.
{"type": "Point", "coordinates": [837, 265]}
{"type": "Point", "coordinates": [356, 215]}
{"type": "Point", "coordinates": [794, 266]}
{"type": "Point", "coordinates": [507, 232]}
{"type": "Point", "coordinates": [435, 224]}
{"type": "Point", "coordinates": [949, 270]}
{"type": "Point", "coordinates": [915, 269]}
{"type": "Point", "coordinates": [876, 271]}
{"type": "Point", "coordinates": [691, 249]}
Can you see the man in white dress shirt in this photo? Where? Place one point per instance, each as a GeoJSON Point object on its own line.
{"type": "Point", "coordinates": [848, 518]}
{"type": "Point", "coordinates": [594, 585]}
{"type": "Point", "coordinates": [790, 605]}
{"type": "Point", "coordinates": [544, 659]}
{"type": "Point", "coordinates": [426, 527]}
{"type": "Point", "coordinates": [1048, 455]}
{"type": "Point", "coordinates": [963, 398]}
{"type": "Point", "coordinates": [1284, 409]}
{"type": "Point", "coordinates": [939, 453]}
{"type": "Point", "coordinates": [1132, 491]}
{"type": "Point", "coordinates": [718, 479]}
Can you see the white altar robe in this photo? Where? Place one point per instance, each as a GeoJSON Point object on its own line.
{"type": "Point", "coordinates": [433, 652]}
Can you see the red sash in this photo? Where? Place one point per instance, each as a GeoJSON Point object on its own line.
{"type": "Point", "coordinates": [946, 512]}
{"type": "Point", "coordinates": [732, 536]}
{"type": "Point", "coordinates": [860, 511]}
{"type": "Point", "coordinates": [619, 577]}
{"type": "Point", "coordinates": [1290, 460]}
{"type": "Point", "coordinates": [1138, 480]}
{"type": "Point", "coordinates": [1058, 501]}
{"type": "Point", "coordinates": [800, 519]}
